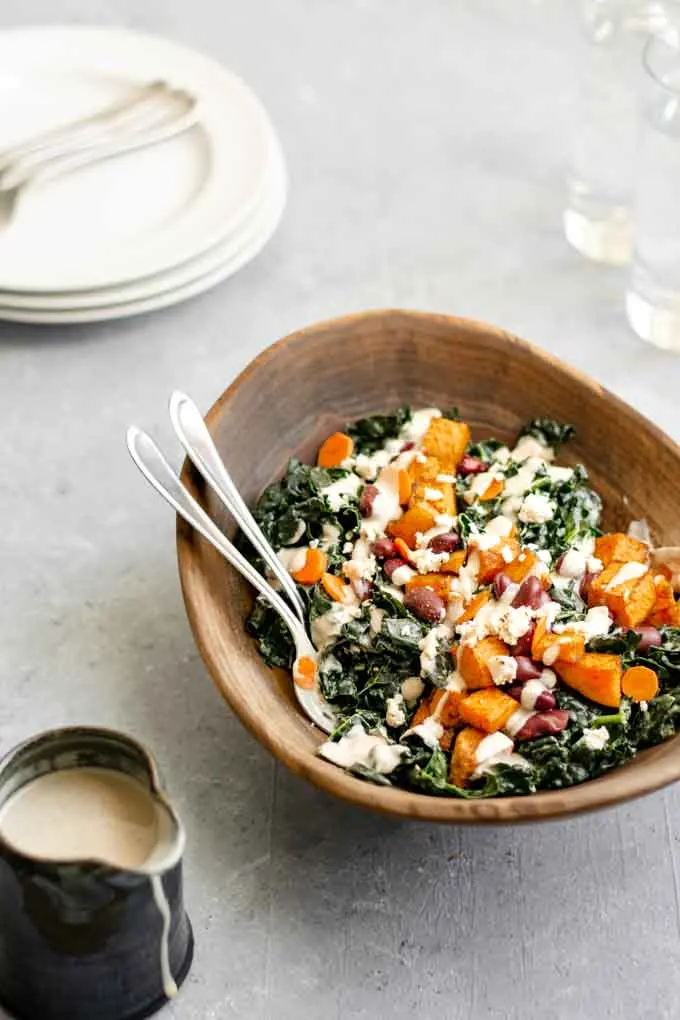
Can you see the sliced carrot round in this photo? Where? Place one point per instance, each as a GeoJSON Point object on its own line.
{"type": "Point", "coordinates": [304, 672]}
{"type": "Point", "coordinates": [403, 549]}
{"type": "Point", "coordinates": [473, 606]}
{"type": "Point", "coordinates": [336, 588]}
{"type": "Point", "coordinates": [492, 491]}
{"type": "Point", "coordinates": [314, 566]}
{"type": "Point", "coordinates": [334, 450]}
{"type": "Point", "coordinates": [640, 683]}
{"type": "Point", "coordinates": [405, 487]}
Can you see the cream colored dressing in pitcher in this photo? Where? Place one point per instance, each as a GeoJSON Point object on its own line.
{"type": "Point", "coordinates": [78, 814]}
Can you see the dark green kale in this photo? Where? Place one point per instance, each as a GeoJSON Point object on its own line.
{"type": "Point", "coordinates": [577, 514]}
{"type": "Point", "coordinates": [371, 434]}
{"type": "Point", "coordinates": [549, 432]}
{"type": "Point", "coordinates": [484, 449]}
{"type": "Point", "coordinates": [567, 597]}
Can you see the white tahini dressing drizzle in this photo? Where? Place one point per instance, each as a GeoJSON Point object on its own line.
{"type": "Point", "coordinates": [161, 901]}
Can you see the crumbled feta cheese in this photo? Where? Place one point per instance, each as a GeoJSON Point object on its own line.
{"type": "Point", "coordinates": [549, 612]}
{"type": "Point", "coordinates": [536, 508]}
{"type": "Point", "coordinates": [573, 564]}
{"type": "Point", "coordinates": [347, 548]}
{"type": "Point", "coordinates": [644, 706]}
{"type": "Point", "coordinates": [595, 739]}
{"type": "Point", "coordinates": [625, 573]}
{"type": "Point", "coordinates": [529, 446]}
{"type": "Point", "coordinates": [594, 565]}
{"type": "Point", "coordinates": [503, 669]}
{"type": "Point", "coordinates": [560, 474]}
{"type": "Point", "coordinates": [426, 561]}
{"type": "Point", "coordinates": [394, 711]}
{"type": "Point", "coordinates": [480, 483]}
{"type": "Point", "coordinates": [451, 479]}
{"type": "Point", "coordinates": [489, 747]}
{"type": "Point", "coordinates": [517, 721]}
{"type": "Point", "coordinates": [513, 623]}
{"type": "Point", "coordinates": [430, 731]}
{"type": "Point", "coordinates": [339, 493]}
{"type": "Point", "coordinates": [411, 688]}
{"type": "Point", "coordinates": [507, 554]}
{"type": "Point", "coordinates": [499, 525]}
{"type": "Point", "coordinates": [415, 429]}
{"type": "Point", "coordinates": [444, 521]}
{"type": "Point", "coordinates": [402, 575]}
{"type": "Point", "coordinates": [431, 494]}
{"type": "Point", "coordinates": [362, 565]}
{"type": "Point", "coordinates": [501, 455]}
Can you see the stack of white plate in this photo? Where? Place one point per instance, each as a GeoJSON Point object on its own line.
{"type": "Point", "coordinates": [148, 228]}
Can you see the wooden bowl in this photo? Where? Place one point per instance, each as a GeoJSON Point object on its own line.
{"type": "Point", "coordinates": [315, 381]}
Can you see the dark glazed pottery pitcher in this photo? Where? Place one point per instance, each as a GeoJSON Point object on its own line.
{"type": "Point", "coordinates": [84, 940]}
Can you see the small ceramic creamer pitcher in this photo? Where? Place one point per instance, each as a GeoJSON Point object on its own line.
{"type": "Point", "coordinates": [83, 937]}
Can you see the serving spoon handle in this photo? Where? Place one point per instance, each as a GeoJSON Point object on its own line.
{"type": "Point", "coordinates": [193, 434]}
{"type": "Point", "coordinates": [155, 468]}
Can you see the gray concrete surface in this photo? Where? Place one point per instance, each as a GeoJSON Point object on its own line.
{"type": "Point", "coordinates": [426, 144]}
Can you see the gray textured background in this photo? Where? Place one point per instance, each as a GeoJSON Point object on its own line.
{"type": "Point", "coordinates": [426, 144]}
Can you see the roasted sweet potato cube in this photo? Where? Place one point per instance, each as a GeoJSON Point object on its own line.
{"type": "Point", "coordinates": [487, 709]}
{"type": "Point", "coordinates": [446, 740]}
{"type": "Point", "coordinates": [441, 703]}
{"type": "Point", "coordinates": [497, 558]}
{"type": "Point", "coordinates": [630, 602]}
{"type": "Point", "coordinates": [618, 548]}
{"type": "Point", "coordinates": [446, 440]}
{"type": "Point", "coordinates": [665, 610]}
{"type": "Point", "coordinates": [425, 470]}
{"type": "Point", "coordinates": [439, 495]}
{"type": "Point", "coordinates": [521, 566]}
{"type": "Point", "coordinates": [439, 583]}
{"type": "Point", "coordinates": [473, 661]}
{"type": "Point", "coordinates": [454, 562]}
{"type": "Point", "coordinates": [596, 675]}
{"type": "Point", "coordinates": [419, 517]}
{"type": "Point", "coordinates": [464, 757]}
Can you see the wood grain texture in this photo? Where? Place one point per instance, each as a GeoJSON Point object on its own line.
{"type": "Point", "coordinates": [314, 381]}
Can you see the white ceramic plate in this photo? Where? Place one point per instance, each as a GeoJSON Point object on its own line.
{"type": "Point", "coordinates": [254, 241]}
{"type": "Point", "coordinates": [160, 283]}
{"type": "Point", "coordinates": [142, 213]}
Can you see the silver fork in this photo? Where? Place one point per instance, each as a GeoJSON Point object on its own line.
{"type": "Point", "coordinates": [165, 481]}
{"type": "Point", "coordinates": [157, 114]}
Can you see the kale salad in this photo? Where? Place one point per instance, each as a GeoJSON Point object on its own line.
{"type": "Point", "coordinates": [477, 634]}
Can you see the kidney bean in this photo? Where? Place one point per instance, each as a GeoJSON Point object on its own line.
{"type": "Point", "coordinates": [527, 668]}
{"type": "Point", "coordinates": [543, 599]}
{"type": "Point", "coordinates": [407, 446]}
{"type": "Point", "coordinates": [384, 548]}
{"type": "Point", "coordinates": [367, 499]}
{"type": "Point", "coordinates": [559, 562]}
{"type": "Point", "coordinates": [447, 543]}
{"type": "Point", "coordinates": [389, 566]}
{"type": "Point", "coordinates": [543, 723]}
{"type": "Point", "coordinates": [650, 637]}
{"type": "Point", "coordinates": [501, 583]}
{"type": "Point", "coordinates": [471, 465]}
{"type": "Point", "coordinates": [585, 584]}
{"type": "Point", "coordinates": [545, 702]}
{"type": "Point", "coordinates": [515, 691]}
{"type": "Point", "coordinates": [425, 604]}
{"type": "Point", "coordinates": [523, 646]}
{"type": "Point", "coordinates": [363, 589]}
{"type": "Point", "coordinates": [529, 594]}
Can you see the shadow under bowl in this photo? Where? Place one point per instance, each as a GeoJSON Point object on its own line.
{"type": "Point", "coordinates": [315, 381]}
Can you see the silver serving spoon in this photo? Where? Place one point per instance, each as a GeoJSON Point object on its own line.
{"type": "Point", "coordinates": [193, 434]}
{"type": "Point", "coordinates": [165, 481]}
